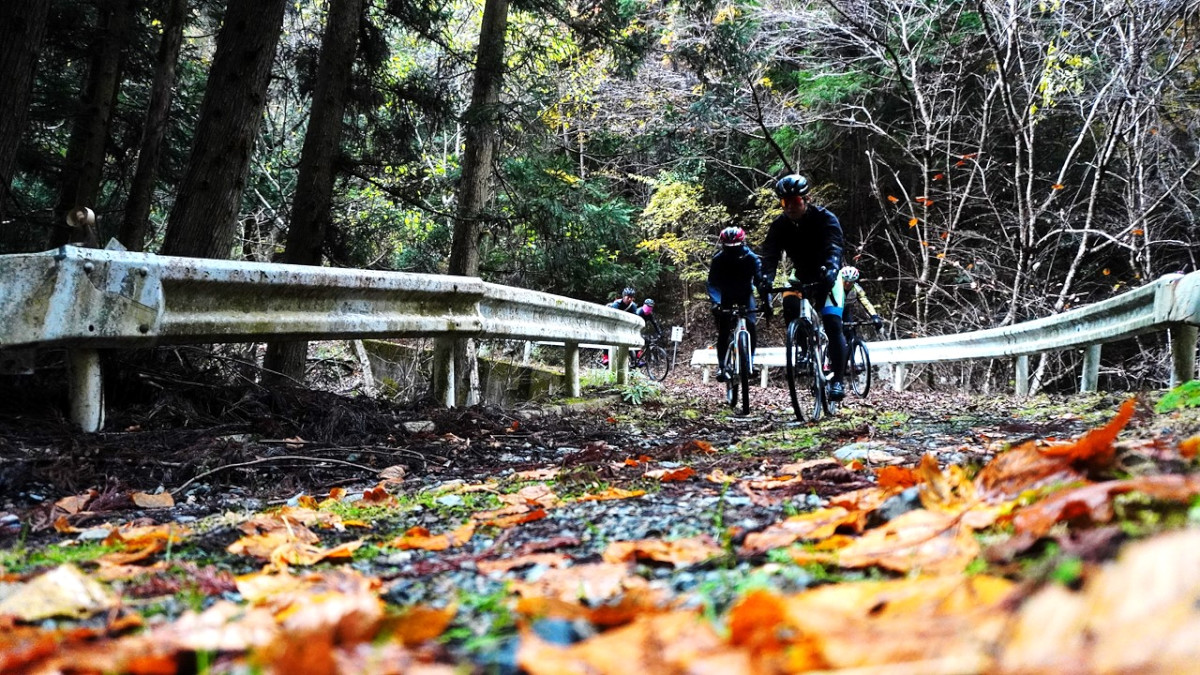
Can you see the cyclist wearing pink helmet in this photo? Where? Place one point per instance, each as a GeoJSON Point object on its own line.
{"type": "Point", "coordinates": [733, 275]}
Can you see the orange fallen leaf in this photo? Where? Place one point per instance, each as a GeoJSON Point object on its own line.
{"type": "Point", "coordinates": [1188, 448]}
{"type": "Point", "coordinates": [517, 519]}
{"type": "Point", "coordinates": [610, 493]}
{"type": "Point", "coordinates": [420, 538]}
{"type": "Point", "coordinates": [506, 564]}
{"type": "Point", "coordinates": [1094, 502]}
{"type": "Point", "coordinates": [893, 199]}
{"type": "Point", "coordinates": [629, 461]}
{"type": "Point", "coordinates": [896, 476]}
{"type": "Point", "coordinates": [419, 624]}
{"type": "Point", "coordinates": [1095, 448]}
{"type": "Point", "coordinates": [817, 524]}
{"type": "Point", "coordinates": [912, 222]}
{"type": "Point", "coordinates": [75, 503]}
{"type": "Point", "coordinates": [671, 475]}
{"type": "Point", "coordinates": [679, 552]}
{"type": "Point", "coordinates": [161, 500]}
{"type": "Point", "coordinates": [534, 495]}
{"type": "Point", "coordinates": [1057, 186]}
{"type": "Point", "coordinates": [718, 476]}
{"type": "Point", "coordinates": [933, 542]}
{"type": "Point", "coordinates": [592, 583]}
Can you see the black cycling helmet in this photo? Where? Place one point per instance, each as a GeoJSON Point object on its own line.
{"type": "Point", "coordinates": [793, 185]}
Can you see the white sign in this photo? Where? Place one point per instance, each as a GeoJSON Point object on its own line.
{"type": "Point", "coordinates": [676, 333]}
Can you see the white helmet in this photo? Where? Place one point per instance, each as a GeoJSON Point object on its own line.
{"type": "Point", "coordinates": [849, 274]}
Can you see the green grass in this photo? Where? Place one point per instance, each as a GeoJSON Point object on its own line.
{"type": "Point", "coordinates": [21, 560]}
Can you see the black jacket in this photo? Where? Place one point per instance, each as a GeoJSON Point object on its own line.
{"type": "Point", "coordinates": [733, 275]}
{"type": "Point", "coordinates": [812, 242]}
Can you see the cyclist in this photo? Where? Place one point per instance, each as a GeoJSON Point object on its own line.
{"type": "Point", "coordinates": [646, 311]}
{"type": "Point", "coordinates": [625, 303]}
{"type": "Point", "coordinates": [812, 238]}
{"type": "Point", "coordinates": [847, 290]}
{"type": "Point", "coordinates": [733, 275]}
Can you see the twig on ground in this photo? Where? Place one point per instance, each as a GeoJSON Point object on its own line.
{"type": "Point", "coordinates": [264, 460]}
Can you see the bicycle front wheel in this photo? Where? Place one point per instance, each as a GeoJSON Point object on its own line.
{"type": "Point", "coordinates": [859, 368]}
{"type": "Point", "coordinates": [657, 363]}
{"type": "Point", "coordinates": [731, 376]}
{"type": "Point", "coordinates": [743, 375]}
{"type": "Point", "coordinates": [799, 351]}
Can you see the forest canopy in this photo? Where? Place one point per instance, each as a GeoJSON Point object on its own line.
{"type": "Point", "coordinates": [990, 162]}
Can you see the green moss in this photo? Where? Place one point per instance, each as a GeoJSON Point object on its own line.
{"type": "Point", "coordinates": [20, 560]}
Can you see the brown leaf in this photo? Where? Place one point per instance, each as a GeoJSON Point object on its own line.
{"type": "Point", "coordinates": [592, 583]}
{"type": "Point", "coordinates": [679, 552]}
{"type": "Point", "coordinates": [1095, 448]}
{"type": "Point", "coordinates": [817, 524]}
{"type": "Point", "coordinates": [504, 565]}
{"type": "Point", "coordinates": [419, 537]}
{"type": "Point", "coordinates": [610, 493]}
{"type": "Point", "coordinates": [896, 477]}
{"type": "Point", "coordinates": [420, 624]}
{"type": "Point", "coordinates": [517, 519]}
{"type": "Point", "coordinates": [671, 475]}
{"type": "Point", "coordinates": [63, 591]}
{"type": "Point", "coordinates": [75, 503]}
{"type": "Point", "coordinates": [933, 542]}
{"type": "Point", "coordinates": [1094, 502]}
{"type": "Point", "coordinates": [161, 500]}
{"type": "Point", "coordinates": [533, 495]}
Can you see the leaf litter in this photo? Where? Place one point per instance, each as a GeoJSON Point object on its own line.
{"type": "Point", "coordinates": [616, 539]}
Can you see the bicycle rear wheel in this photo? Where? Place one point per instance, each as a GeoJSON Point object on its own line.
{"type": "Point", "coordinates": [803, 387]}
{"type": "Point", "coordinates": [859, 368]}
{"type": "Point", "coordinates": [731, 376]}
{"type": "Point", "coordinates": [657, 363]}
{"type": "Point", "coordinates": [743, 375]}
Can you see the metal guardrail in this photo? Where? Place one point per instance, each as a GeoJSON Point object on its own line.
{"type": "Point", "coordinates": [1170, 303]}
{"type": "Point", "coordinates": [87, 299]}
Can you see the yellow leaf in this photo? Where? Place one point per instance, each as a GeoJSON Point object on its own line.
{"type": "Point", "coordinates": [161, 500]}
{"type": "Point", "coordinates": [1057, 186]}
{"type": "Point", "coordinates": [912, 222]}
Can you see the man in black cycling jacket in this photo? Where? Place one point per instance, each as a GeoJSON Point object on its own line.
{"type": "Point", "coordinates": [812, 238]}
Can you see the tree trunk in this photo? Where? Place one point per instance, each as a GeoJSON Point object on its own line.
{"type": "Point", "coordinates": [482, 122]}
{"type": "Point", "coordinates": [204, 218]}
{"type": "Point", "coordinates": [82, 167]}
{"type": "Point", "coordinates": [314, 185]}
{"type": "Point", "coordinates": [137, 210]}
{"type": "Point", "coordinates": [22, 25]}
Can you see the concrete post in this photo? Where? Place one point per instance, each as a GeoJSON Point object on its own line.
{"type": "Point", "coordinates": [764, 377]}
{"type": "Point", "coordinates": [622, 364]}
{"type": "Point", "coordinates": [899, 372]}
{"type": "Point", "coordinates": [443, 372]}
{"type": "Point", "coordinates": [87, 390]}
{"type": "Point", "coordinates": [1183, 353]}
{"type": "Point", "coordinates": [1089, 380]}
{"type": "Point", "coordinates": [1022, 367]}
{"type": "Point", "coordinates": [571, 366]}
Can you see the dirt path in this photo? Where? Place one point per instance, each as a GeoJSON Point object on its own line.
{"type": "Point", "coordinates": [664, 504]}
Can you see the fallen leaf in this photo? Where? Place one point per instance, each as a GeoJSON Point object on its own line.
{"type": "Point", "coordinates": [161, 500]}
{"type": "Point", "coordinates": [1094, 502]}
{"type": "Point", "coordinates": [610, 493]}
{"type": "Point", "coordinates": [506, 564]}
{"type": "Point", "coordinates": [533, 495]}
{"type": "Point", "coordinates": [517, 519]}
{"type": "Point", "coordinates": [591, 583]}
{"type": "Point", "coordinates": [896, 477]}
{"type": "Point", "coordinates": [420, 538]}
{"type": "Point", "coordinates": [75, 503]}
{"type": "Point", "coordinates": [1189, 447]}
{"type": "Point", "coordinates": [419, 624]}
{"type": "Point", "coordinates": [671, 475]}
{"type": "Point", "coordinates": [679, 552]}
{"type": "Point", "coordinates": [932, 542]}
{"type": "Point", "coordinates": [817, 524]}
{"type": "Point", "coordinates": [63, 591]}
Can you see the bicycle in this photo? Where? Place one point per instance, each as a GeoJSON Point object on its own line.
{"type": "Point", "coordinates": [653, 359]}
{"type": "Point", "coordinates": [858, 360]}
{"type": "Point", "coordinates": [805, 349]}
{"type": "Point", "coordinates": [739, 359]}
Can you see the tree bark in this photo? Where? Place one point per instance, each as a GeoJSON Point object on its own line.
{"type": "Point", "coordinates": [314, 186]}
{"type": "Point", "coordinates": [482, 121]}
{"type": "Point", "coordinates": [137, 209]}
{"type": "Point", "coordinates": [203, 221]}
{"type": "Point", "coordinates": [22, 26]}
{"type": "Point", "coordinates": [82, 167]}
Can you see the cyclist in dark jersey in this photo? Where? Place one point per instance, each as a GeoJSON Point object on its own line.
{"type": "Point", "coordinates": [734, 273]}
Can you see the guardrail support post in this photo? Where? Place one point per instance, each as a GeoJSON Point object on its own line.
{"type": "Point", "coordinates": [443, 372]}
{"type": "Point", "coordinates": [571, 368]}
{"type": "Point", "coordinates": [1022, 375]}
{"type": "Point", "coordinates": [1183, 353]}
{"type": "Point", "coordinates": [87, 391]}
{"type": "Point", "coordinates": [621, 364]}
{"type": "Point", "coordinates": [1089, 379]}
{"type": "Point", "coordinates": [899, 372]}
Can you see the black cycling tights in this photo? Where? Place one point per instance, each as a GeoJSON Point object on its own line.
{"type": "Point", "coordinates": [833, 328]}
{"type": "Point", "coordinates": [725, 326]}
{"type": "Point", "coordinates": [837, 344]}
